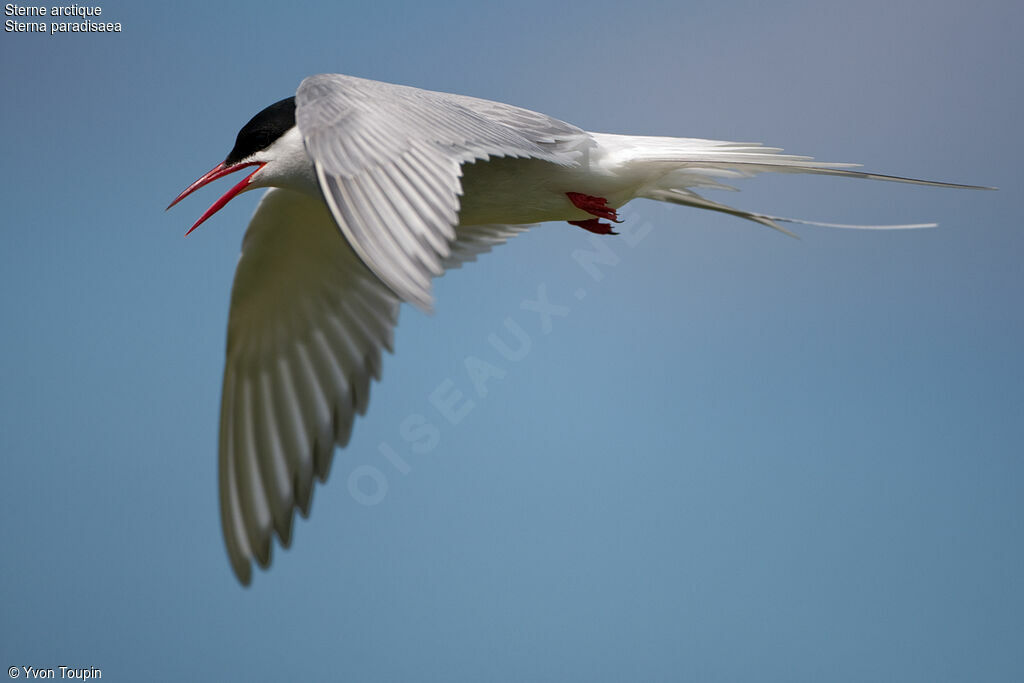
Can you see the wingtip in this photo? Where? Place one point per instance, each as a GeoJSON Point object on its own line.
{"type": "Point", "coordinates": [426, 305]}
{"type": "Point", "coordinates": [243, 571]}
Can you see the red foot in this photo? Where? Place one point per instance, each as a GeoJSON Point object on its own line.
{"type": "Point", "coordinates": [595, 206]}
{"type": "Point", "coordinates": [595, 226]}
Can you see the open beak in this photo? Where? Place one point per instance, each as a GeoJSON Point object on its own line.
{"type": "Point", "coordinates": [218, 171]}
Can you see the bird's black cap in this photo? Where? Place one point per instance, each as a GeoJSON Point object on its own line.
{"type": "Point", "coordinates": [263, 129]}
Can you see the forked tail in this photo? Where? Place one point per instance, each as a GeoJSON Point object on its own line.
{"type": "Point", "coordinates": [677, 165]}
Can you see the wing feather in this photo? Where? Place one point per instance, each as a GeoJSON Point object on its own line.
{"type": "Point", "coordinates": [274, 467]}
{"type": "Point", "coordinates": [388, 159]}
{"type": "Point", "coordinates": [232, 520]}
{"type": "Point", "coordinates": [307, 323]}
{"type": "Point", "coordinates": [300, 458]}
{"type": "Point", "coordinates": [255, 511]}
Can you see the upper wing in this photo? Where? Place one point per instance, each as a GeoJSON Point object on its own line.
{"type": "Point", "coordinates": [388, 161]}
{"type": "Point", "coordinates": [305, 332]}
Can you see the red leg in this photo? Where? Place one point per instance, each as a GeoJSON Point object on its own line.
{"type": "Point", "coordinates": [595, 206]}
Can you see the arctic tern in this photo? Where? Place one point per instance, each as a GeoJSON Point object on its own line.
{"type": "Point", "coordinates": [375, 189]}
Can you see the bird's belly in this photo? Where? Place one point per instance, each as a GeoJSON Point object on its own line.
{"type": "Point", "coordinates": [511, 190]}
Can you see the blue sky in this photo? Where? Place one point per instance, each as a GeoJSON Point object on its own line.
{"type": "Point", "coordinates": [736, 457]}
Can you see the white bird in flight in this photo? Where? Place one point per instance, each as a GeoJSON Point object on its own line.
{"type": "Point", "coordinates": [376, 189]}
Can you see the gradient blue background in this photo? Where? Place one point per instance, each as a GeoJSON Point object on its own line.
{"type": "Point", "coordinates": [739, 457]}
